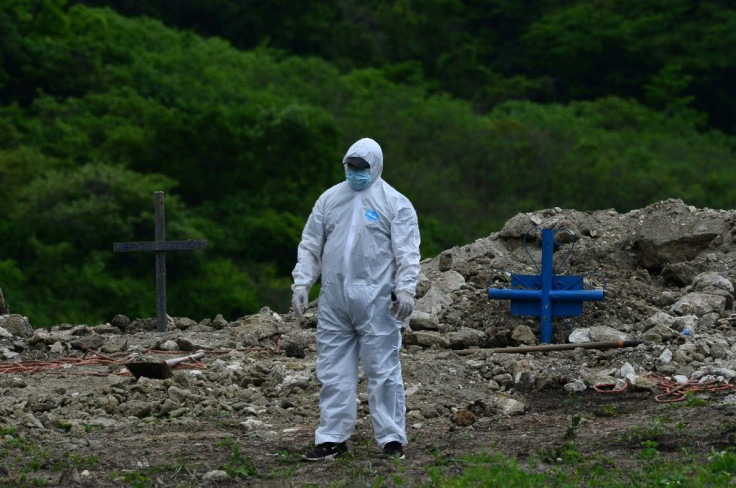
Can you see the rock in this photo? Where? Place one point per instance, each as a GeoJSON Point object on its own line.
{"type": "Point", "coordinates": [136, 408]}
{"type": "Point", "coordinates": [17, 325]}
{"type": "Point", "coordinates": [627, 372]}
{"type": "Point", "coordinates": [169, 345]}
{"type": "Point", "coordinates": [523, 335]}
{"type": "Point", "coordinates": [711, 280]}
{"type": "Point", "coordinates": [216, 475]}
{"type": "Point", "coordinates": [219, 322]}
{"type": "Point", "coordinates": [580, 336]}
{"type": "Point", "coordinates": [424, 321]}
{"type": "Point", "coordinates": [604, 333]}
{"type": "Point", "coordinates": [687, 324]}
{"type": "Point", "coordinates": [669, 232]}
{"type": "Point", "coordinates": [141, 325]}
{"type": "Point", "coordinates": [576, 386]}
{"type": "Point", "coordinates": [184, 323]}
{"type": "Point", "coordinates": [504, 405]}
{"type": "Point", "coordinates": [445, 263]}
{"type": "Point", "coordinates": [659, 334]}
{"type": "Point", "coordinates": [294, 350]}
{"type": "Point", "coordinates": [666, 356]}
{"type": "Point", "coordinates": [121, 322]}
{"type": "Point", "coordinates": [427, 339]}
{"type": "Point", "coordinates": [112, 346]}
{"type": "Point", "coordinates": [463, 418]}
{"type": "Point", "coordinates": [438, 297]}
{"type": "Point", "coordinates": [433, 302]}
{"type": "Point", "coordinates": [700, 304]}
{"type": "Point", "coordinates": [466, 338]}
{"type": "Point", "coordinates": [92, 342]}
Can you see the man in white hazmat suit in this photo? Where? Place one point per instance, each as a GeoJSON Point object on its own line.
{"type": "Point", "coordinates": [362, 237]}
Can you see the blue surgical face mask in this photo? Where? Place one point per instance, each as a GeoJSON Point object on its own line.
{"type": "Point", "coordinates": [358, 178]}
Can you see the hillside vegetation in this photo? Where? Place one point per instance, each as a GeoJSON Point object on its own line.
{"type": "Point", "coordinates": [241, 111]}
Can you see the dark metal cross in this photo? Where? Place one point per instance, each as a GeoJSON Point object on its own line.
{"type": "Point", "coordinates": [160, 245]}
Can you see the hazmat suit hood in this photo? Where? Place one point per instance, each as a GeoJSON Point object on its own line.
{"type": "Point", "coordinates": [369, 150]}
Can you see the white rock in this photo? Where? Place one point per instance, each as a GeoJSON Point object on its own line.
{"type": "Point", "coordinates": [216, 475]}
{"type": "Point", "coordinates": [576, 386]}
{"type": "Point", "coordinates": [170, 346]}
{"type": "Point", "coordinates": [509, 406]}
{"type": "Point", "coordinates": [254, 424]}
{"type": "Point", "coordinates": [8, 354]}
{"type": "Point", "coordinates": [626, 369]}
{"type": "Point", "coordinates": [580, 336]}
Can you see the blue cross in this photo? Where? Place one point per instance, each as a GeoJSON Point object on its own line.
{"type": "Point", "coordinates": [546, 295]}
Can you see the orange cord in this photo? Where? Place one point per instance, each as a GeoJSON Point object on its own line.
{"type": "Point", "coordinates": [609, 388]}
{"type": "Point", "coordinates": [672, 391]}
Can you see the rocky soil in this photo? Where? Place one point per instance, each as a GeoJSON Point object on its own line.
{"type": "Point", "coordinates": [71, 414]}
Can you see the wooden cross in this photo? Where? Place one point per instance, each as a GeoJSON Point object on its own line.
{"type": "Point", "coordinates": [160, 245]}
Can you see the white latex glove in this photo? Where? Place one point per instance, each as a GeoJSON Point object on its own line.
{"type": "Point", "coordinates": [403, 306]}
{"type": "Point", "coordinates": [300, 299]}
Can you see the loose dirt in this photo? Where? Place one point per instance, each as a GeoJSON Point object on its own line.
{"type": "Point", "coordinates": [246, 413]}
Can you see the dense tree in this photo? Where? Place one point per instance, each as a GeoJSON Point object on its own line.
{"type": "Point", "coordinates": [98, 111]}
{"type": "Point", "coordinates": [486, 51]}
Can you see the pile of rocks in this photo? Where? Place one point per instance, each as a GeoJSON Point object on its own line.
{"type": "Point", "coordinates": [667, 271]}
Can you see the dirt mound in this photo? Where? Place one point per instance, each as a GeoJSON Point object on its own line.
{"type": "Point", "coordinates": [71, 413]}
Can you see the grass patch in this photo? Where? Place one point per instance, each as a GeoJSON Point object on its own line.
{"type": "Point", "coordinates": [691, 401]}
{"type": "Point", "coordinates": [239, 466]}
{"type": "Point", "coordinates": [492, 470]}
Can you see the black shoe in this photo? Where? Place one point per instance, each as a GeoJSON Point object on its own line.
{"type": "Point", "coordinates": [326, 450]}
{"type": "Point", "coordinates": [394, 449]}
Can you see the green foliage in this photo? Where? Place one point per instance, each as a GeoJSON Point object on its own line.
{"type": "Point", "coordinates": [487, 52]}
{"type": "Point", "coordinates": [489, 470]}
{"type": "Point", "coordinates": [98, 111]}
{"type": "Point", "coordinates": [239, 466]}
{"type": "Point", "coordinates": [61, 226]}
{"type": "Point", "coordinates": [608, 153]}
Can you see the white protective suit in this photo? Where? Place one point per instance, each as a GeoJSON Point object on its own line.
{"type": "Point", "coordinates": [365, 244]}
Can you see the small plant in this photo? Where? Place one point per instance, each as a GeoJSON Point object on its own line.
{"type": "Point", "coordinates": [239, 466]}
{"type": "Point", "coordinates": [569, 453]}
{"type": "Point", "coordinates": [569, 405]}
{"type": "Point", "coordinates": [610, 411]}
{"type": "Point", "coordinates": [572, 431]}
{"type": "Point", "coordinates": [398, 478]}
{"type": "Point", "coordinates": [72, 460]}
{"type": "Point", "coordinates": [653, 432]}
{"type": "Point", "coordinates": [722, 461]}
{"type": "Point", "coordinates": [649, 450]}
{"type": "Point", "coordinates": [135, 479]}
{"type": "Point", "coordinates": [692, 401]}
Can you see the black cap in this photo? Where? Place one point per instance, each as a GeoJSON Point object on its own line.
{"type": "Point", "coordinates": [357, 162]}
